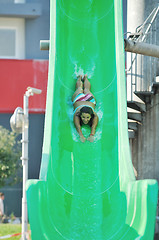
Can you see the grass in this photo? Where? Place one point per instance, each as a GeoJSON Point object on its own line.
{"type": "Point", "coordinates": [6, 229]}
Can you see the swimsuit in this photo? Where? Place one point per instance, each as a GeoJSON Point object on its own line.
{"type": "Point", "coordinates": [84, 97]}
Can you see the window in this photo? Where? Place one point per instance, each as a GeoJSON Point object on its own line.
{"type": "Point", "coordinates": [12, 38]}
{"type": "Point", "coordinates": [7, 42]}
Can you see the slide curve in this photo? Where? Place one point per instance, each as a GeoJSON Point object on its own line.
{"type": "Point", "coordinates": [88, 191]}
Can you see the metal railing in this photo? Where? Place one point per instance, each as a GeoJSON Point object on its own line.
{"type": "Point", "coordinates": [142, 70]}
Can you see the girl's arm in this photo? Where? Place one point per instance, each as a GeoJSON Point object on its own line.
{"type": "Point", "coordinates": [78, 127]}
{"type": "Point", "coordinates": [94, 124]}
{"type": "Point", "coordinates": [93, 128]}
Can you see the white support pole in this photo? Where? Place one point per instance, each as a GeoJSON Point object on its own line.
{"type": "Point", "coordinates": [19, 125]}
{"type": "Point", "coordinates": [25, 140]}
{"type": "Point", "coordinates": [25, 167]}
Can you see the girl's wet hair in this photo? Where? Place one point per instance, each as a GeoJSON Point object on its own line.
{"type": "Point", "coordinates": [86, 110]}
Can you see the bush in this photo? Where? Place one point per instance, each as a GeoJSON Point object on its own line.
{"type": "Point", "coordinates": [9, 157]}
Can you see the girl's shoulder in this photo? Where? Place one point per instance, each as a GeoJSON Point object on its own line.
{"type": "Point", "coordinates": [77, 113]}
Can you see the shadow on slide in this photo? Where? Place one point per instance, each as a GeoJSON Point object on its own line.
{"type": "Point", "coordinates": [87, 191]}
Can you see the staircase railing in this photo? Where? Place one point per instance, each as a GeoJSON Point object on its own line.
{"type": "Point", "coordinates": [142, 70]}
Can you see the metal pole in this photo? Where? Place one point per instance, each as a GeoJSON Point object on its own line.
{"type": "Point", "coordinates": [44, 44]}
{"type": "Point", "coordinates": [141, 48]}
{"type": "Point", "coordinates": [25, 167]}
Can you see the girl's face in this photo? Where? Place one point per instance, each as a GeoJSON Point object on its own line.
{"type": "Point", "coordinates": [85, 118]}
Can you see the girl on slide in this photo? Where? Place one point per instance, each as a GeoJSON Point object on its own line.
{"type": "Point", "coordinates": [84, 108]}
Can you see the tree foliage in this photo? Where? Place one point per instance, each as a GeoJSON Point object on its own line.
{"type": "Point", "coordinates": [9, 157]}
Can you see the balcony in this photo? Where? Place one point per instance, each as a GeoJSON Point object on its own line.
{"type": "Point", "coordinates": [25, 10]}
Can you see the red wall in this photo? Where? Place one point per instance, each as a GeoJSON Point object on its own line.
{"type": "Point", "coordinates": [15, 77]}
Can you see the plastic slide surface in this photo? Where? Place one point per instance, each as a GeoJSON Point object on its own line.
{"type": "Point", "coordinates": [87, 191]}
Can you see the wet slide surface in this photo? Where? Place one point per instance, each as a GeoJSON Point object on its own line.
{"type": "Point", "coordinates": [87, 191]}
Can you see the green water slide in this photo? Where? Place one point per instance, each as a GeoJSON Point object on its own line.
{"type": "Point", "coordinates": [87, 191]}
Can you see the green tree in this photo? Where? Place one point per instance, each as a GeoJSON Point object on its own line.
{"type": "Point", "coordinates": [9, 157]}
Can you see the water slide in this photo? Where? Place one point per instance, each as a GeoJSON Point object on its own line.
{"type": "Point", "coordinates": [88, 191]}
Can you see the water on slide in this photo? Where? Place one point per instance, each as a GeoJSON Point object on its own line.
{"type": "Point", "coordinates": [87, 191]}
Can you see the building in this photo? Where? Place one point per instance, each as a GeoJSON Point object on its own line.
{"type": "Point", "coordinates": [23, 23]}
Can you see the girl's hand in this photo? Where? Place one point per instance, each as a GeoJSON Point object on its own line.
{"type": "Point", "coordinates": [83, 139]}
{"type": "Point", "coordinates": [91, 138]}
